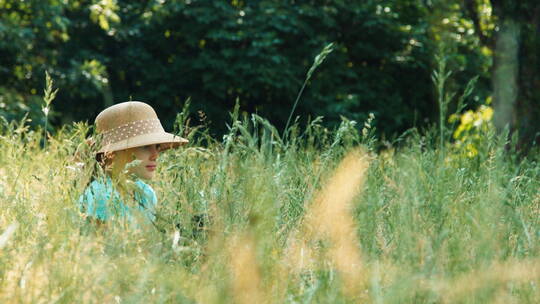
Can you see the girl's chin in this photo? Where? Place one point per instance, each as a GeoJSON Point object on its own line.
{"type": "Point", "coordinates": [146, 175]}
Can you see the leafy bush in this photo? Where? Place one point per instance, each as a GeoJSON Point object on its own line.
{"type": "Point", "coordinates": [474, 129]}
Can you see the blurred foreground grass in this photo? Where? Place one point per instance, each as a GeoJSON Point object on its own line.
{"type": "Point", "coordinates": [286, 221]}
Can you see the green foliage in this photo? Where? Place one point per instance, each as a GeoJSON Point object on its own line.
{"type": "Point", "coordinates": [473, 131]}
{"type": "Point", "coordinates": [216, 52]}
{"type": "Point", "coordinates": [163, 52]}
{"type": "Point", "coordinates": [103, 13]}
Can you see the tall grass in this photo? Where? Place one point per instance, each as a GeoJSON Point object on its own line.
{"type": "Point", "coordinates": [392, 227]}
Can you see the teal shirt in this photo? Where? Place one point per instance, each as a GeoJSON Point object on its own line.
{"type": "Point", "coordinates": [101, 201]}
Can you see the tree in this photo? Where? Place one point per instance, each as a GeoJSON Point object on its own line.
{"type": "Point", "coordinates": [163, 52]}
{"type": "Point", "coordinates": [516, 70]}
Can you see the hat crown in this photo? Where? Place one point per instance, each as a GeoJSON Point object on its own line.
{"type": "Point", "coordinates": [132, 124]}
{"type": "Point", "coordinates": [123, 113]}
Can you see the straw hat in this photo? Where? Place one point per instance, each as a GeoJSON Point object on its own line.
{"type": "Point", "coordinates": [133, 124]}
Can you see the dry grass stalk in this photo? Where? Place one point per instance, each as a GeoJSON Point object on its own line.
{"type": "Point", "coordinates": [299, 255]}
{"type": "Point", "coordinates": [521, 272]}
{"type": "Point", "coordinates": [329, 218]}
{"type": "Point", "coordinates": [246, 282]}
{"type": "Point", "coordinates": [6, 235]}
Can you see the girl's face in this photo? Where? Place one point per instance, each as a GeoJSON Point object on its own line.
{"type": "Point", "coordinates": [148, 160]}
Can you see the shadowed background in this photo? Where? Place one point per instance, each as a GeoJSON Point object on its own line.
{"type": "Point", "coordinates": [108, 51]}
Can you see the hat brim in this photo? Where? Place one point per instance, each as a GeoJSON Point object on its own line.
{"type": "Point", "coordinates": [164, 139]}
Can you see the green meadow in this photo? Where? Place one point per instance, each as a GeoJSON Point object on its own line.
{"type": "Point", "coordinates": [398, 166]}
{"type": "Point", "coordinates": [315, 215]}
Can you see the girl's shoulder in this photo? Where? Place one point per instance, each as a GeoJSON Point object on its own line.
{"type": "Point", "coordinates": [148, 193]}
{"type": "Point", "coordinates": [100, 186]}
{"type": "Point", "coordinates": [97, 197]}
{"type": "Point", "coordinates": [99, 191]}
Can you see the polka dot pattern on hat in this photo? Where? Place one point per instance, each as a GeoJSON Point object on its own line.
{"type": "Point", "coordinates": [132, 129]}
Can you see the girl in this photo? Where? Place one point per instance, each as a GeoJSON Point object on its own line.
{"type": "Point", "coordinates": [131, 139]}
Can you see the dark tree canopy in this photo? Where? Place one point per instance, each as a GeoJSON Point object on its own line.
{"type": "Point", "coordinates": [162, 52]}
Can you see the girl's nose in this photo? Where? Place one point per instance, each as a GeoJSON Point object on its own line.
{"type": "Point", "coordinates": [154, 152]}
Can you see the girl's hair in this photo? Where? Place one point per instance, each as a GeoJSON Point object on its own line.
{"type": "Point", "coordinates": [98, 166]}
{"type": "Point", "coordinates": [95, 163]}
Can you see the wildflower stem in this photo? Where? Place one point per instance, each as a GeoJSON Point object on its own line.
{"type": "Point", "coordinates": [319, 59]}
{"type": "Point", "coordinates": [48, 97]}
{"type": "Point", "coordinates": [439, 77]}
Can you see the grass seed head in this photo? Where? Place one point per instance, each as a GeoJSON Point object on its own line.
{"type": "Point", "coordinates": [246, 276]}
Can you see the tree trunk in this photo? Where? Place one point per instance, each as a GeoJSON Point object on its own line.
{"type": "Point", "coordinates": [505, 73]}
